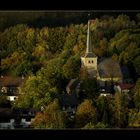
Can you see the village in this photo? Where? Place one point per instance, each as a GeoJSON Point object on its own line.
{"type": "Point", "coordinates": [111, 79]}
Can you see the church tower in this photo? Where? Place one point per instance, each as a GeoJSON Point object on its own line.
{"type": "Point", "coordinates": [89, 59]}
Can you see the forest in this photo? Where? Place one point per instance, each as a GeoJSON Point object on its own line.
{"type": "Point", "coordinates": [47, 49]}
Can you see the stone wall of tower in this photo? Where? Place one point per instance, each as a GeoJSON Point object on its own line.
{"type": "Point", "coordinates": [89, 62]}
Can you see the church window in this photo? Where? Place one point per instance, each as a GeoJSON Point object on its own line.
{"type": "Point", "coordinates": [92, 61]}
{"type": "Point", "coordinates": [88, 61]}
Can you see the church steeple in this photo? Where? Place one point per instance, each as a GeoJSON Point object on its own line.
{"type": "Point", "coordinates": [88, 49]}
{"type": "Point", "coordinates": [89, 59]}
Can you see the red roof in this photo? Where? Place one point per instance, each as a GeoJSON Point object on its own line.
{"type": "Point", "coordinates": [126, 86]}
{"type": "Point", "coordinates": [11, 81]}
{"type": "Point", "coordinates": [92, 20]}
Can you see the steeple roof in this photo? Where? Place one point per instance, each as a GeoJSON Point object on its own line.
{"type": "Point", "coordinates": [88, 49]}
{"type": "Point", "coordinates": [89, 52]}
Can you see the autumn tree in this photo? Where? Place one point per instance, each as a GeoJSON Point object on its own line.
{"type": "Point", "coordinates": [56, 39]}
{"type": "Point", "coordinates": [137, 95]}
{"type": "Point", "coordinates": [85, 113]}
{"type": "Point", "coordinates": [134, 118]}
{"type": "Point", "coordinates": [121, 110]}
{"type": "Point", "coordinates": [51, 118]}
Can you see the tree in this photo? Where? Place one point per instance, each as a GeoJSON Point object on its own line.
{"type": "Point", "coordinates": [85, 113]}
{"type": "Point", "coordinates": [89, 88]}
{"type": "Point", "coordinates": [102, 49]}
{"type": "Point", "coordinates": [137, 95]}
{"type": "Point", "coordinates": [71, 38]}
{"type": "Point", "coordinates": [136, 63]}
{"type": "Point", "coordinates": [53, 73]}
{"type": "Point", "coordinates": [134, 118]}
{"type": "Point", "coordinates": [12, 62]}
{"type": "Point", "coordinates": [36, 92]}
{"type": "Point", "coordinates": [105, 110]}
{"type": "Point", "coordinates": [51, 118]}
{"type": "Point", "coordinates": [56, 39]}
{"type": "Point", "coordinates": [121, 110]}
{"type": "Point", "coordinates": [3, 99]}
{"type": "Point", "coordinates": [72, 67]}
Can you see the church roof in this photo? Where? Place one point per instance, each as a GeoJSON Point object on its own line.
{"type": "Point", "coordinates": [89, 48]}
{"type": "Point", "coordinates": [109, 68]}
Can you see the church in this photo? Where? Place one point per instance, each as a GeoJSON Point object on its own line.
{"type": "Point", "coordinates": [104, 70]}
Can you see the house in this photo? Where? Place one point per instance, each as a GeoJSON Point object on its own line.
{"type": "Point", "coordinates": [123, 87]}
{"type": "Point", "coordinates": [105, 94]}
{"type": "Point", "coordinates": [8, 124]}
{"type": "Point", "coordinates": [73, 86]}
{"type": "Point", "coordinates": [68, 100]}
{"type": "Point", "coordinates": [26, 123]}
{"type": "Point", "coordinates": [16, 118]}
{"type": "Point", "coordinates": [10, 86]}
{"type": "Point", "coordinates": [6, 118]}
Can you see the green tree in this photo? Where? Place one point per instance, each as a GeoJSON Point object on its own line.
{"type": "Point", "coordinates": [72, 67]}
{"type": "Point", "coordinates": [53, 73]}
{"type": "Point", "coordinates": [89, 88]}
{"type": "Point", "coordinates": [36, 92]}
{"type": "Point", "coordinates": [105, 110]}
{"type": "Point", "coordinates": [56, 39]}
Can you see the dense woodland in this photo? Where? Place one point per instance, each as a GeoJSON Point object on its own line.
{"type": "Point", "coordinates": [48, 51]}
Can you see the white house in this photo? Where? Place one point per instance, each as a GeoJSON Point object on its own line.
{"type": "Point", "coordinates": [7, 125]}
{"type": "Point", "coordinates": [12, 98]}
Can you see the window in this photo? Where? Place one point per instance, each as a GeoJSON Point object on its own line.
{"type": "Point", "coordinates": [88, 61]}
{"type": "Point", "coordinates": [92, 61]}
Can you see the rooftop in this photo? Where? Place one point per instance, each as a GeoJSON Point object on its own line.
{"type": "Point", "coordinates": [72, 84]}
{"type": "Point", "coordinates": [89, 55]}
{"type": "Point", "coordinates": [6, 81]}
{"type": "Point", "coordinates": [108, 67]}
{"type": "Point", "coordinates": [126, 86]}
